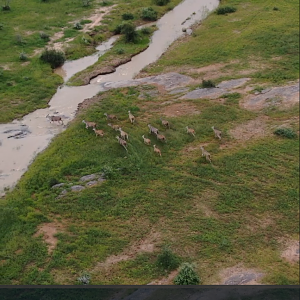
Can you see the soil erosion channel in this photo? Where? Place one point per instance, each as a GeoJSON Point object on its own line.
{"type": "Point", "coordinates": [22, 140]}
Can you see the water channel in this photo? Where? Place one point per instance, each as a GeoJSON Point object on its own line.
{"type": "Point", "coordinates": [34, 132]}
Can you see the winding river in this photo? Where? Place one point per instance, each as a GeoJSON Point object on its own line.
{"type": "Point", "coordinates": [21, 140]}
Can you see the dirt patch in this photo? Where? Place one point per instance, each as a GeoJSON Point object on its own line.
{"type": "Point", "coordinates": [49, 230]}
{"type": "Point", "coordinates": [5, 67]}
{"type": "Point", "coordinates": [97, 17]}
{"type": "Point", "coordinates": [165, 280]}
{"type": "Point", "coordinates": [238, 275]}
{"type": "Point", "coordinates": [145, 245]}
{"type": "Point", "coordinates": [253, 129]}
{"type": "Point", "coordinates": [200, 203]}
{"type": "Point", "coordinates": [291, 252]}
{"type": "Point", "coordinates": [87, 102]}
{"type": "Point", "coordinates": [179, 109]}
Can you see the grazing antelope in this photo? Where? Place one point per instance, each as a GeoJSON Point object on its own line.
{"type": "Point", "coordinates": [165, 123]}
{"type": "Point", "coordinates": [161, 137]}
{"type": "Point", "coordinates": [89, 124]}
{"type": "Point", "coordinates": [98, 132]}
{"type": "Point", "coordinates": [115, 127]}
{"type": "Point", "coordinates": [146, 141]}
{"type": "Point", "coordinates": [131, 117]}
{"type": "Point", "coordinates": [152, 129]}
{"type": "Point", "coordinates": [217, 132]}
{"type": "Point", "coordinates": [124, 135]}
{"type": "Point", "coordinates": [190, 131]}
{"type": "Point", "coordinates": [156, 150]}
{"type": "Point", "coordinates": [55, 119]}
{"type": "Point", "coordinates": [110, 117]}
{"type": "Point", "coordinates": [206, 154]}
{"type": "Point", "coordinates": [122, 142]}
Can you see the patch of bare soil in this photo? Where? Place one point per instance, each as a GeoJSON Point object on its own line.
{"type": "Point", "coordinates": [238, 275]}
{"type": "Point", "coordinates": [145, 245]}
{"type": "Point", "coordinates": [97, 17]}
{"type": "Point", "coordinates": [179, 109]}
{"type": "Point", "coordinates": [87, 102]}
{"type": "Point", "coordinates": [49, 230]}
{"type": "Point", "coordinates": [5, 67]}
{"type": "Point", "coordinates": [200, 203]}
{"type": "Point", "coordinates": [165, 280]}
{"type": "Point", "coordinates": [291, 252]}
{"type": "Point", "coordinates": [253, 129]}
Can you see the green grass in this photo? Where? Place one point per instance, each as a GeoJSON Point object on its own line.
{"type": "Point", "coordinates": [244, 185]}
{"type": "Point", "coordinates": [255, 37]}
{"type": "Point", "coordinates": [28, 86]}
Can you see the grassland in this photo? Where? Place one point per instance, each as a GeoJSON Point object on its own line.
{"type": "Point", "coordinates": [29, 84]}
{"type": "Point", "coordinates": [238, 209]}
{"type": "Point", "coordinates": [256, 41]}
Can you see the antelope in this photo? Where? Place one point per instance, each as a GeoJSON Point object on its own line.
{"type": "Point", "coordinates": [124, 135]}
{"type": "Point", "coordinates": [152, 129]}
{"type": "Point", "coordinates": [110, 117]}
{"type": "Point", "coordinates": [89, 124]}
{"type": "Point", "coordinates": [115, 127]}
{"type": "Point", "coordinates": [156, 150]}
{"type": "Point", "coordinates": [161, 137]}
{"type": "Point", "coordinates": [146, 141]}
{"type": "Point", "coordinates": [122, 142]}
{"type": "Point", "coordinates": [206, 154]}
{"type": "Point", "coordinates": [217, 132]}
{"type": "Point", "coordinates": [98, 132]}
{"type": "Point", "coordinates": [55, 119]}
{"type": "Point", "coordinates": [131, 117]}
{"type": "Point", "coordinates": [165, 123]}
{"type": "Point", "coordinates": [190, 131]}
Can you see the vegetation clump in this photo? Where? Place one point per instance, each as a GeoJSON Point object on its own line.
{"type": "Point", "coordinates": [130, 33]}
{"type": "Point", "coordinates": [167, 260]}
{"type": "Point", "coordinates": [84, 279]}
{"type": "Point", "coordinates": [161, 2]}
{"type": "Point", "coordinates": [225, 10]}
{"type": "Point", "coordinates": [207, 84]}
{"type": "Point", "coordinates": [149, 14]}
{"type": "Point", "coordinates": [127, 16]}
{"type": "Point", "coordinates": [44, 36]}
{"type": "Point", "coordinates": [54, 57]}
{"type": "Point", "coordinates": [187, 275]}
{"type": "Point", "coordinates": [23, 56]}
{"type": "Point", "coordinates": [77, 26]}
{"type": "Point", "coordinates": [286, 132]}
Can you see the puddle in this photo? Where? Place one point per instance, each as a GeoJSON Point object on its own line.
{"type": "Point", "coordinates": [17, 153]}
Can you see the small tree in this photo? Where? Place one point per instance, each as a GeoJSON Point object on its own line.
{"type": "Point", "coordinates": [130, 33]}
{"type": "Point", "coordinates": [54, 57]}
{"type": "Point", "coordinates": [187, 275]}
{"type": "Point", "coordinates": [6, 5]}
{"type": "Point", "coordinates": [167, 259]}
{"type": "Point", "coordinates": [149, 14]}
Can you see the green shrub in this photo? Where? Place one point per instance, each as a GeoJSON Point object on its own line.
{"type": "Point", "coordinates": [207, 84]}
{"type": "Point", "coordinates": [225, 10]}
{"type": "Point", "coordinates": [77, 26]}
{"type": "Point", "coordinates": [44, 36]}
{"type": "Point", "coordinates": [23, 56]}
{"type": "Point", "coordinates": [146, 30]}
{"type": "Point", "coordinates": [131, 35]}
{"type": "Point", "coordinates": [120, 51]}
{"type": "Point", "coordinates": [149, 14]}
{"type": "Point", "coordinates": [105, 3]}
{"type": "Point", "coordinates": [52, 181]}
{"type": "Point", "coordinates": [1, 26]}
{"type": "Point", "coordinates": [118, 28]}
{"type": "Point", "coordinates": [161, 2]}
{"type": "Point", "coordinates": [127, 16]}
{"type": "Point", "coordinates": [54, 57]}
{"type": "Point", "coordinates": [167, 260]}
{"type": "Point", "coordinates": [187, 275]}
{"type": "Point", "coordinates": [286, 132]}
{"type": "Point", "coordinates": [85, 278]}
{"type": "Point", "coordinates": [86, 3]}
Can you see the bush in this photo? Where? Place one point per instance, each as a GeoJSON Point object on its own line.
{"type": "Point", "coordinates": [118, 28]}
{"type": "Point", "coordinates": [207, 84]}
{"type": "Point", "coordinates": [86, 3]}
{"type": "Point", "coordinates": [167, 260]}
{"type": "Point", "coordinates": [120, 51]}
{"type": "Point", "coordinates": [161, 2]}
{"type": "Point", "coordinates": [85, 278]}
{"type": "Point", "coordinates": [6, 5]}
{"type": "Point", "coordinates": [23, 56]}
{"type": "Point", "coordinates": [225, 10]}
{"type": "Point", "coordinates": [187, 275]}
{"type": "Point", "coordinates": [44, 36]}
{"type": "Point", "coordinates": [127, 16]}
{"type": "Point", "coordinates": [77, 26]}
{"type": "Point", "coordinates": [149, 14]}
{"type": "Point", "coordinates": [286, 132]}
{"type": "Point", "coordinates": [146, 30]}
{"type": "Point", "coordinates": [130, 33]}
{"type": "Point", "coordinates": [1, 26]}
{"type": "Point", "coordinates": [54, 57]}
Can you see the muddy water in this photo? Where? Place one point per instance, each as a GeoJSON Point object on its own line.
{"type": "Point", "coordinates": [34, 131]}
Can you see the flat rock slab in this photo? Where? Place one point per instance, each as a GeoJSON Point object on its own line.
{"type": "Point", "coordinates": [91, 183]}
{"type": "Point", "coordinates": [242, 278]}
{"type": "Point", "coordinates": [88, 177]}
{"type": "Point", "coordinates": [178, 91]}
{"type": "Point", "coordinates": [77, 188]}
{"type": "Point", "coordinates": [212, 93]}
{"type": "Point", "coordinates": [168, 80]}
{"type": "Point", "coordinates": [277, 96]}
{"type": "Point", "coordinates": [55, 186]}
